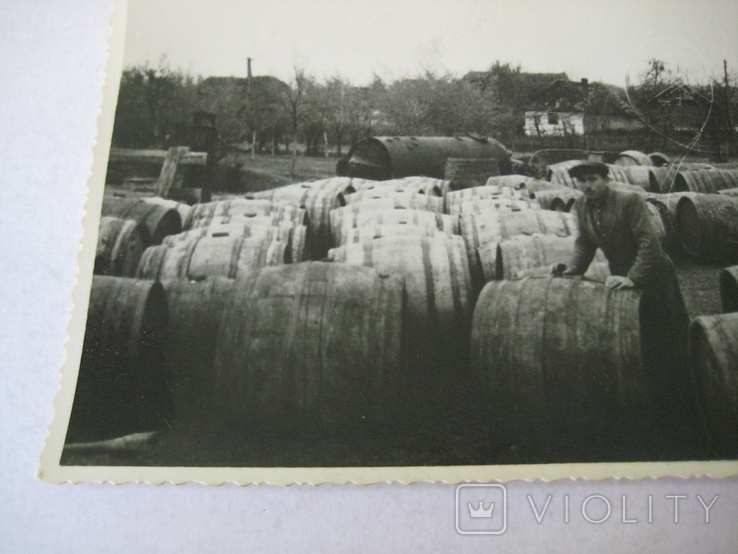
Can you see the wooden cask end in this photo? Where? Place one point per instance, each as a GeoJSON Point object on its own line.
{"type": "Point", "coordinates": [123, 384]}
{"type": "Point", "coordinates": [195, 311]}
{"type": "Point", "coordinates": [562, 356]}
{"type": "Point", "coordinates": [231, 257]}
{"type": "Point", "coordinates": [713, 342]}
{"type": "Point", "coordinates": [729, 289]}
{"type": "Point", "coordinates": [160, 220]}
{"type": "Point", "coordinates": [707, 226]}
{"type": "Point", "coordinates": [120, 245]}
{"type": "Point", "coordinates": [310, 341]}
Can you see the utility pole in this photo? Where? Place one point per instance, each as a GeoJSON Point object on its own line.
{"type": "Point", "coordinates": [727, 94]}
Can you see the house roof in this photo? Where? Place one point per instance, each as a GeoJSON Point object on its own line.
{"type": "Point", "coordinates": [572, 96]}
{"type": "Point", "coordinates": [680, 93]}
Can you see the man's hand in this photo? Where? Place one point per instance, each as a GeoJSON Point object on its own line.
{"type": "Point", "coordinates": [557, 270]}
{"type": "Point", "coordinates": [616, 282]}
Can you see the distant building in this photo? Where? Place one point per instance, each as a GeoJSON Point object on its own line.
{"type": "Point", "coordinates": [567, 108]}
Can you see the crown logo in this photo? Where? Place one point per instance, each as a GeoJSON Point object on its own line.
{"type": "Point", "coordinates": [481, 511]}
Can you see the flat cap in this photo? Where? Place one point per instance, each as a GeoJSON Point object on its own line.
{"type": "Point", "coordinates": [586, 167]}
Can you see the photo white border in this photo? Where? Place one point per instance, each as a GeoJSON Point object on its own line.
{"type": "Point", "coordinates": [51, 471]}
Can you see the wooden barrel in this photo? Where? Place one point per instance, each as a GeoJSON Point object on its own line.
{"type": "Point", "coordinates": [342, 220]}
{"type": "Point", "coordinates": [511, 258]}
{"type": "Point", "coordinates": [729, 289]}
{"type": "Point", "coordinates": [182, 209]}
{"type": "Point", "coordinates": [663, 180]}
{"type": "Point", "coordinates": [317, 198]}
{"type": "Point", "coordinates": [363, 234]}
{"type": "Point", "coordinates": [465, 173]}
{"type": "Point", "coordinates": [558, 173]}
{"type": "Point", "coordinates": [195, 312]}
{"type": "Point", "coordinates": [120, 245]}
{"type": "Point", "coordinates": [658, 159]}
{"type": "Point", "coordinates": [666, 205]}
{"type": "Point", "coordinates": [563, 356]}
{"type": "Point", "coordinates": [231, 257]}
{"type": "Point", "coordinates": [516, 182]}
{"type": "Point", "coordinates": [422, 185]}
{"type": "Point", "coordinates": [437, 281]}
{"type": "Point", "coordinates": [707, 181]}
{"type": "Point", "coordinates": [707, 226]}
{"type": "Point", "coordinates": [307, 340]}
{"type": "Point", "coordinates": [479, 193]}
{"type": "Point", "coordinates": [497, 203]}
{"type": "Point", "coordinates": [244, 230]}
{"type": "Point", "coordinates": [161, 221]}
{"type": "Point", "coordinates": [411, 201]}
{"type": "Point", "coordinates": [729, 192]}
{"type": "Point", "coordinates": [640, 176]}
{"type": "Point", "coordinates": [123, 384]}
{"type": "Point", "coordinates": [713, 342]}
{"type": "Point", "coordinates": [230, 211]}
{"type": "Point", "coordinates": [479, 229]}
{"type": "Point", "coordinates": [632, 158]}
{"type": "Point", "coordinates": [560, 199]}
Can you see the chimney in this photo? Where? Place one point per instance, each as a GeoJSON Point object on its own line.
{"type": "Point", "coordinates": [585, 82]}
{"type": "Point", "coordinates": [248, 63]}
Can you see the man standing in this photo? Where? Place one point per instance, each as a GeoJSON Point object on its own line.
{"type": "Point", "coordinates": [619, 222]}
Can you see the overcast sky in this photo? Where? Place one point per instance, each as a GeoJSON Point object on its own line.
{"type": "Point", "coordinates": [356, 39]}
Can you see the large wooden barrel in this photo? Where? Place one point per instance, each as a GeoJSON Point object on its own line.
{"type": "Point", "coordinates": [293, 235]}
{"type": "Point", "coordinates": [120, 245]}
{"type": "Point", "coordinates": [491, 204]}
{"type": "Point", "coordinates": [559, 199]}
{"type": "Point", "coordinates": [729, 289]}
{"type": "Point", "coordinates": [666, 205]}
{"type": "Point", "coordinates": [123, 384]}
{"type": "Point", "coordinates": [342, 221]}
{"type": "Point", "coordinates": [370, 199]}
{"type": "Point", "coordinates": [317, 198]}
{"type": "Point", "coordinates": [235, 209]}
{"type": "Point", "coordinates": [564, 356]}
{"type": "Point", "coordinates": [707, 181]}
{"type": "Point", "coordinates": [659, 159]}
{"type": "Point", "coordinates": [713, 342]}
{"type": "Point", "coordinates": [707, 226]}
{"type": "Point", "coordinates": [160, 220]}
{"type": "Point", "coordinates": [363, 234]}
{"type": "Point", "coordinates": [640, 176]}
{"type": "Point", "coordinates": [437, 281]}
{"type": "Point", "coordinates": [310, 340]}
{"type": "Point", "coordinates": [511, 258]}
{"type": "Point", "coordinates": [182, 209]}
{"type": "Point", "coordinates": [465, 173]}
{"type": "Point", "coordinates": [479, 229]}
{"type": "Point", "coordinates": [231, 257]}
{"type": "Point", "coordinates": [632, 158]}
{"type": "Point", "coordinates": [195, 312]}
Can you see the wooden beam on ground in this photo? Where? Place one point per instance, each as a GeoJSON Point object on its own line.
{"type": "Point", "coordinates": [154, 156]}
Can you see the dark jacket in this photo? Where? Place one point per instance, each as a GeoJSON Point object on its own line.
{"type": "Point", "coordinates": [622, 226]}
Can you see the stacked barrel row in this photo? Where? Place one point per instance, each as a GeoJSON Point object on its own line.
{"type": "Point", "coordinates": [243, 324]}
{"type": "Point", "coordinates": [713, 341]}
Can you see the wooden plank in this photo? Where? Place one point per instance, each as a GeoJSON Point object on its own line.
{"type": "Point", "coordinates": [155, 156]}
{"type": "Point", "coordinates": [171, 172]}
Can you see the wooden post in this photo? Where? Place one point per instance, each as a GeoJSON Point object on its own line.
{"type": "Point", "coordinates": [171, 171]}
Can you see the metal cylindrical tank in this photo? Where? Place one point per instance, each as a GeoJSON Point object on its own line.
{"type": "Point", "coordinates": [384, 158]}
